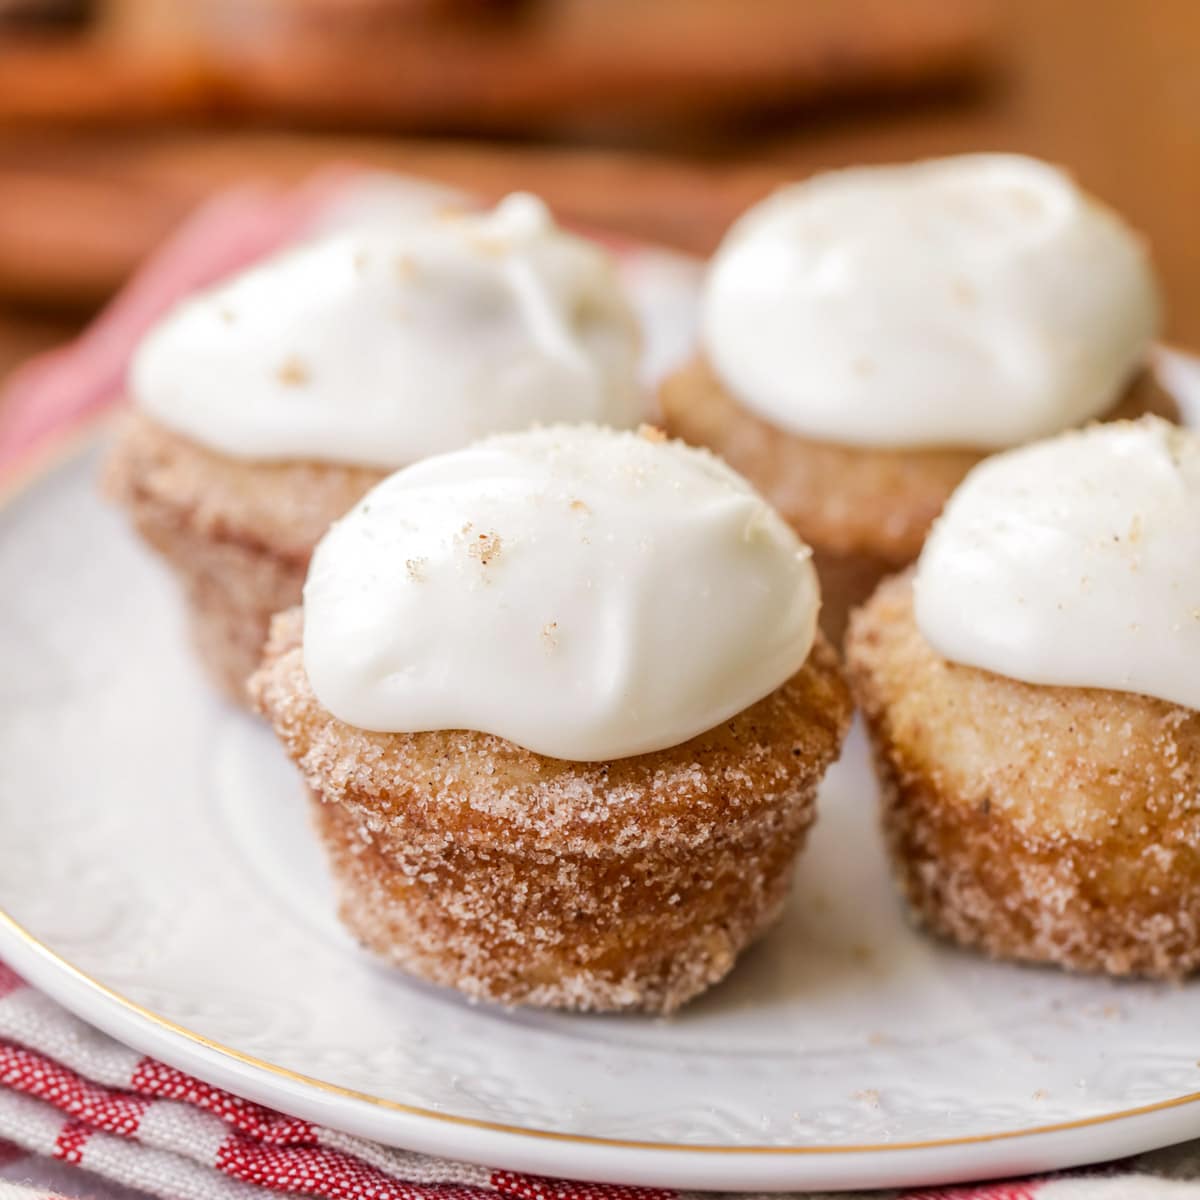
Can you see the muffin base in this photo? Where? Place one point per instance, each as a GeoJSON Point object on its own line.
{"type": "Point", "coordinates": [1042, 824]}
{"type": "Point", "coordinates": [575, 932]}
{"type": "Point", "coordinates": [521, 879]}
{"type": "Point", "coordinates": [238, 535]}
{"type": "Point", "coordinates": [864, 510]}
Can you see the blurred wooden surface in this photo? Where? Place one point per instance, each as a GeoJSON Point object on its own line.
{"type": "Point", "coordinates": [1111, 88]}
{"type": "Point", "coordinates": [491, 67]}
{"type": "Point", "coordinates": [22, 336]}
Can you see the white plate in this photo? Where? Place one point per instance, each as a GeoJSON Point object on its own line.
{"type": "Point", "coordinates": [161, 881]}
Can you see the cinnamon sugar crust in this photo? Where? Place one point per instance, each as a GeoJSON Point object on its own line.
{"type": "Point", "coordinates": [238, 534]}
{"type": "Point", "coordinates": [1045, 824]}
{"type": "Point", "coordinates": [865, 510]}
{"type": "Point", "coordinates": [632, 884]}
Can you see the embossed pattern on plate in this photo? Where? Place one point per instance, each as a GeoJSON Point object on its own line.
{"type": "Point", "coordinates": [157, 840]}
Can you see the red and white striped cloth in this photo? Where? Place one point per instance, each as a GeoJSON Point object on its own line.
{"type": "Point", "coordinates": [71, 1097]}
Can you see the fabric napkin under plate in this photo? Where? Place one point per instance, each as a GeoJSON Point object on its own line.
{"type": "Point", "coordinates": [70, 1094]}
{"type": "Point", "coordinates": [71, 1097]}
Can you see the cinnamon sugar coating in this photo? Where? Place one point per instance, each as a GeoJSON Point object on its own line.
{"type": "Point", "coordinates": [238, 534]}
{"type": "Point", "coordinates": [632, 884]}
{"type": "Point", "coordinates": [1046, 824]}
{"type": "Point", "coordinates": [864, 510]}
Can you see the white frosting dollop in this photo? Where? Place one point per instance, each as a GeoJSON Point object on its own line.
{"type": "Point", "coordinates": [978, 301]}
{"type": "Point", "coordinates": [584, 593]}
{"type": "Point", "coordinates": [381, 346]}
{"type": "Point", "coordinates": [1073, 562]}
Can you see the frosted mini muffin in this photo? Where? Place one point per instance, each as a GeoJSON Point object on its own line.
{"type": "Point", "coordinates": [870, 334]}
{"type": "Point", "coordinates": [562, 707]}
{"type": "Point", "coordinates": [1032, 695]}
{"type": "Point", "coordinates": [265, 408]}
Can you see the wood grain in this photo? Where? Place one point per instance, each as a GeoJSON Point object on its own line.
{"type": "Point", "coordinates": [22, 336]}
{"type": "Point", "coordinates": [1108, 87]}
{"type": "Point", "coordinates": [553, 64]}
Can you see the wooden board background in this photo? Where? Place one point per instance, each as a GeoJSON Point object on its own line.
{"type": "Point", "coordinates": [1109, 87]}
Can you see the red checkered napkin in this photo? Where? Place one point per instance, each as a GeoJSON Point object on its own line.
{"type": "Point", "coordinates": [70, 1094]}
{"type": "Point", "coordinates": [70, 1097]}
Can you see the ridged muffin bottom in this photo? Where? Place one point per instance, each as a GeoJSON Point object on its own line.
{"type": "Point", "coordinates": [522, 879]}
{"type": "Point", "coordinates": [1042, 824]}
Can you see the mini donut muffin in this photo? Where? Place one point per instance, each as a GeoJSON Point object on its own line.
{"type": "Point", "coordinates": [562, 708]}
{"type": "Point", "coordinates": [266, 408]}
{"type": "Point", "coordinates": [1031, 694]}
{"type": "Point", "coordinates": [869, 335]}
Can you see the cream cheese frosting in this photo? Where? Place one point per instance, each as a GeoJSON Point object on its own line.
{"type": "Point", "coordinates": [584, 593]}
{"type": "Point", "coordinates": [1073, 562]}
{"type": "Point", "coordinates": [977, 301]}
{"type": "Point", "coordinates": [380, 346]}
